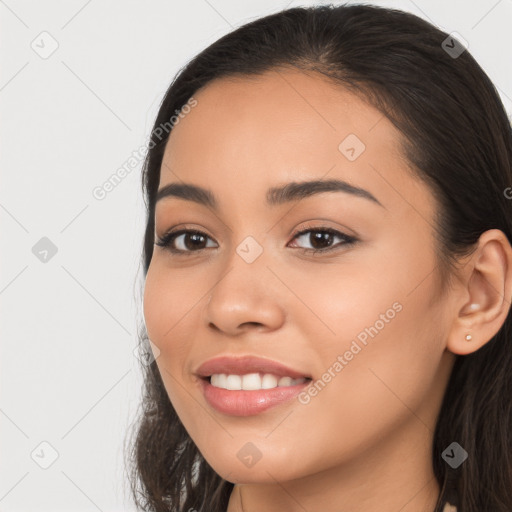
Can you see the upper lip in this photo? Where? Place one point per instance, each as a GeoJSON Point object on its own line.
{"type": "Point", "coordinates": [241, 365]}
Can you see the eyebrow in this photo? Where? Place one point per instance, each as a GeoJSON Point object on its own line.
{"type": "Point", "coordinates": [275, 196]}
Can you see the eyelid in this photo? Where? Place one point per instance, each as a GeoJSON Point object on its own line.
{"type": "Point", "coordinates": [182, 226]}
{"type": "Point", "coordinates": [324, 224]}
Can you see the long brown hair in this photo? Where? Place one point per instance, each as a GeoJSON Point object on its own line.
{"type": "Point", "coordinates": [457, 138]}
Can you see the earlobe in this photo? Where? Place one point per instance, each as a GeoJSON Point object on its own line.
{"type": "Point", "coordinates": [486, 280]}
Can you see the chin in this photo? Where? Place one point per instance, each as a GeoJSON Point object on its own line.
{"type": "Point", "coordinates": [241, 469]}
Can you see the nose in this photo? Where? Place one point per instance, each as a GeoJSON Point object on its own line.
{"type": "Point", "coordinates": [246, 297]}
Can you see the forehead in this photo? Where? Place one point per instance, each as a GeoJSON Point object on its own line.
{"type": "Point", "coordinates": [252, 133]}
{"type": "Point", "coordinates": [281, 108]}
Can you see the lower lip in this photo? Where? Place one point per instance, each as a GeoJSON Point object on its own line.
{"type": "Point", "coordinates": [248, 403]}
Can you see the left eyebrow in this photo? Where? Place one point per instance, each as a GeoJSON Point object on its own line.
{"type": "Point", "coordinates": [293, 191]}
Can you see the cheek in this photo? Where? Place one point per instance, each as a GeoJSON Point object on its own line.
{"type": "Point", "coordinates": [167, 301]}
{"type": "Point", "coordinates": [389, 338]}
{"type": "Point", "coordinates": [170, 308]}
{"type": "Point", "coordinates": [391, 345]}
{"type": "Point", "coordinates": [162, 310]}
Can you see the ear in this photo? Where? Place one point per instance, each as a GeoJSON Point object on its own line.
{"type": "Point", "coordinates": [486, 294]}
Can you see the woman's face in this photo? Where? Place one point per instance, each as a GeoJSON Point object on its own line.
{"type": "Point", "coordinates": [364, 320]}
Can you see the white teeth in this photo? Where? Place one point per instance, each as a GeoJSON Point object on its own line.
{"type": "Point", "coordinates": [269, 381]}
{"type": "Point", "coordinates": [285, 381]}
{"type": "Point", "coordinates": [218, 380]}
{"type": "Point", "coordinates": [234, 382]}
{"type": "Point", "coordinates": [252, 381]}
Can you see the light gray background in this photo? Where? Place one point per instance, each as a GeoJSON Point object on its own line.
{"type": "Point", "coordinates": [68, 122]}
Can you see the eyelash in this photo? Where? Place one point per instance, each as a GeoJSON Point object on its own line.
{"type": "Point", "coordinates": [169, 237]}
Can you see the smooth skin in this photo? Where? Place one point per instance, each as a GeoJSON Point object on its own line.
{"type": "Point", "coordinates": [363, 443]}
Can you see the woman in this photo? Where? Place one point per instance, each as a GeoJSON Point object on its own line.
{"type": "Point", "coordinates": [328, 274]}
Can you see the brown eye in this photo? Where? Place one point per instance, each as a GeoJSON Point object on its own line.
{"type": "Point", "coordinates": [321, 239]}
{"type": "Point", "coordinates": [183, 241]}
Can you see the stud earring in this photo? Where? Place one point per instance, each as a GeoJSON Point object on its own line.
{"type": "Point", "coordinates": [468, 337]}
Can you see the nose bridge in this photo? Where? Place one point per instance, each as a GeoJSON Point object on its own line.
{"type": "Point", "coordinates": [242, 295]}
{"type": "Point", "coordinates": [250, 249]}
{"type": "Point", "coordinates": [249, 242]}
{"type": "Point", "coordinates": [246, 265]}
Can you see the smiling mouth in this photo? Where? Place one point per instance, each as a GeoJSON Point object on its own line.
{"type": "Point", "coordinates": [256, 381]}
